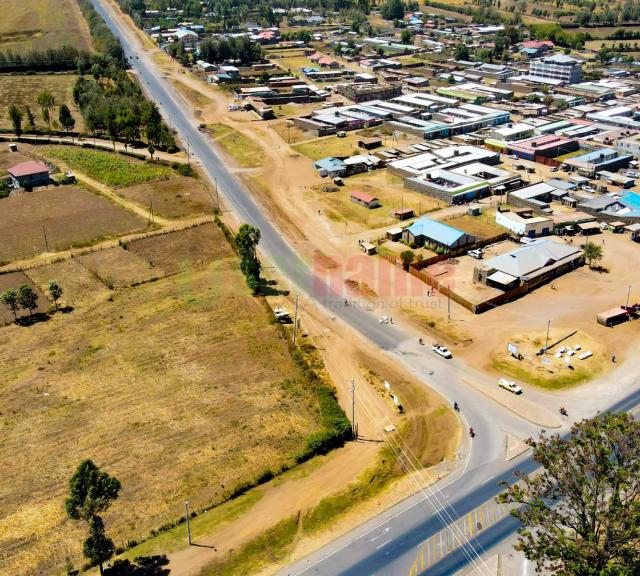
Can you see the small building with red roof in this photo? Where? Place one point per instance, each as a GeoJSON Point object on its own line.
{"type": "Point", "coordinates": [365, 199]}
{"type": "Point", "coordinates": [29, 174]}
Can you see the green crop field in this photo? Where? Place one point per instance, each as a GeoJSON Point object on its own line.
{"type": "Point", "coordinates": [110, 169]}
{"type": "Point", "coordinates": [42, 24]}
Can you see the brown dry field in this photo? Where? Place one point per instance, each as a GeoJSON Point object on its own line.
{"type": "Point", "coordinates": [117, 267]}
{"type": "Point", "coordinates": [71, 216]}
{"type": "Point", "coordinates": [177, 387]}
{"type": "Point", "coordinates": [42, 24]}
{"type": "Point", "coordinates": [174, 198]}
{"type": "Point", "coordinates": [13, 281]}
{"type": "Point", "coordinates": [8, 159]}
{"type": "Point", "coordinates": [23, 90]}
{"type": "Point", "coordinates": [80, 286]}
{"type": "Point", "coordinates": [182, 250]}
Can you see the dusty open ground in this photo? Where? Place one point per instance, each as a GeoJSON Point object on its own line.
{"type": "Point", "coordinates": [70, 216]}
{"type": "Point", "coordinates": [23, 90]}
{"type": "Point", "coordinates": [42, 24]}
{"type": "Point", "coordinates": [182, 388]}
{"type": "Point", "coordinates": [177, 197]}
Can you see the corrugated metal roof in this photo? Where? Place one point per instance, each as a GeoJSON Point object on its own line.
{"type": "Point", "coordinates": [437, 231]}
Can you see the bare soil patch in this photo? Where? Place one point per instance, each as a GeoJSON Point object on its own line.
{"type": "Point", "coordinates": [80, 286]}
{"type": "Point", "coordinates": [13, 281]}
{"type": "Point", "coordinates": [184, 249]}
{"type": "Point", "coordinates": [177, 197]}
{"type": "Point", "coordinates": [70, 216]}
{"type": "Point", "coordinates": [117, 267]}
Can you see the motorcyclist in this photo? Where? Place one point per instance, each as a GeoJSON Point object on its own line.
{"type": "Point", "coordinates": [471, 432]}
{"type": "Point", "coordinates": [420, 341]}
{"type": "Point", "coordinates": [456, 407]}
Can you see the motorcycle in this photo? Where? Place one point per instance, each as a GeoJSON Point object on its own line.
{"type": "Point", "coordinates": [456, 407]}
{"type": "Point", "coordinates": [472, 433]}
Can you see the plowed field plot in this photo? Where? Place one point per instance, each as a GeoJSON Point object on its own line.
{"type": "Point", "coordinates": [174, 198]}
{"type": "Point", "coordinates": [117, 267]}
{"type": "Point", "coordinates": [68, 215]}
{"type": "Point", "coordinates": [14, 281]}
{"type": "Point", "coordinates": [80, 286]}
{"type": "Point", "coordinates": [184, 249]}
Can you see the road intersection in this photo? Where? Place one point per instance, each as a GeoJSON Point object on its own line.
{"type": "Point", "coordinates": [387, 544]}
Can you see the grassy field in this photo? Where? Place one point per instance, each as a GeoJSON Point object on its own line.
{"type": "Point", "coordinates": [116, 170]}
{"type": "Point", "coordinates": [481, 227]}
{"type": "Point", "coordinates": [244, 151]}
{"type": "Point", "coordinates": [70, 216]}
{"type": "Point", "coordinates": [23, 91]}
{"type": "Point", "coordinates": [42, 24]}
{"type": "Point", "coordinates": [177, 197]}
{"type": "Point", "coordinates": [554, 374]}
{"type": "Point", "coordinates": [387, 188]}
{"type": "Point", "coordinates": [182, 388]}
{"type": "Point", "coordinates": [329, 146]}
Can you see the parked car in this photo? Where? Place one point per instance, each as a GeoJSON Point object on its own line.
{"type": "Point", "coordinates": [513, 156]}
{"type": "Point", "coordinates": [509, 386]}
{"type": "Point", "coordinates": [553, 169]}
{"type": "Point", "coordinates": [477, 253]}
{"type": "Point", "coordinates": [442, 350]}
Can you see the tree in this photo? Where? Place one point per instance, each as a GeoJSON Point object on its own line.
{"type": "Point", "coordinates": [405, 37]}
{"type": "Point", "coordinates": [16, 119]}
{"type": "Point", "coordinates": [10, 299]}
{"type": "Point", "coordinates": [65, 118]}
{"type": "Point", "coordinates": [461, 52]}
{"type": "Point", "coordinates": [31, 121]}
{"type": "Point", "coordinates": [247, 240]}
{"type": "Point", "coordinates": [27, 298]}
{"type": "Point", "coordinates": [91, 492]}
{"type": "Point", "coordinates": [47, 102]}
{"type": "Point", "coordinates": [592, 253]}
{"type": "Point", "coordinates": [56, 291]}
{"type": "Point", "coordinates": [407, 258]}
{"type": "Point", "coordinates": [393, 10]}
{"type": "Point", "coordinates": [580, 514]}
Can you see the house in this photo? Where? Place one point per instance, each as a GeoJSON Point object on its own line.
{"type": "Point", "coordinates": [529, 266]}
{"type": "Point", "coordinates": [331, 167]}
{"type": "Point", "coordinates": [523, 223]}
{"type": "Point", "coordinates": [364, 199]}
{"type": "Point", "coordinates": [186, 36]}
{"type": "Point", "coordinates": [29, 174]}
{"type": "Point", "coordinates": [431, 232]}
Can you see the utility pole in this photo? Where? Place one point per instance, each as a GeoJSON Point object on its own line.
{"type": "Point", "coordinates": [354, 428]}
{"type": "Point", "coordinates": [448, 302]}
{"type": "Point", "coordinates": [46, 242]}
{"type": "Point", "coordinates": [628, 295]}
{"type": "Point", "coordinates": [186, 511]}
{"type": "Point", "coordinates": [546, 343]}
{"type": "Point", "coordinates": [295, 322]}
{"type": "Point", "coordinates": [188, 153]}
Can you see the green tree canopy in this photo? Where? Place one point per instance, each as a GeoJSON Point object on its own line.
{"type": "Point", "coordinates": [393, 10]}
{"type": "Point", "coordinates": [10, 299]}
{"type": "Point", "coordinates": [592, 253]}
{"type": "Point", "coordinates": [27, 298]}
{"type": "Point", "coordinates": [247, 241]}
{"type": "Point", "coordinates": [56, 291]}
{"type": "Point", "coordinates": [581, 514]}
{"type": "Point", "coordinates": [16, 119]}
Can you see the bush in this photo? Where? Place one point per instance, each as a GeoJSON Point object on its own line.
{"type": "Point", "coordinates": [185, 170]}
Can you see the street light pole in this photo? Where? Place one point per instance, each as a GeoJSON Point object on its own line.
{"type": "Point", "coordinates": [186, 511]}
{"type": "Point", "coordinates": [354, 428]}
{"type": "Point", "coordinates": [547, 339]}
{"type": "Point", "coordinates": [628, 295]}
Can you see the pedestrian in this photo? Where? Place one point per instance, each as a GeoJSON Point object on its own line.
{"type": "Point", "coordinates": [613, 358]}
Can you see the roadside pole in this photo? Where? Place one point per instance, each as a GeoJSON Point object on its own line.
{"type": "Point", "coordinates": [546, 342]}
{"type": "Point", "coordinates": [628, 296]}
{"type": "Point", "coordinates": [448, 302]}
{"type": "Point", "coordinates": [295, 322]}
{"type": "Point", "coordinates": [186, 511]}
{"type": "Point", "coordinates": [354, 428]}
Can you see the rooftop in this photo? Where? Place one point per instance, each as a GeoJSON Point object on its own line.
{"type": "Point", "coordinates": [437, 231]}
{"type": "Point", "coordinates": [28, 168]}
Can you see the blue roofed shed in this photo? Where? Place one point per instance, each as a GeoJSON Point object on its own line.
{"type": "Point", "coordinates": [426, 231]}
{"type": "Point", "coordinates": [331, 167]}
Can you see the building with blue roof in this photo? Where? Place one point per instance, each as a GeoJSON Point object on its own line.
{"type": "Point", "coordinates": [598, 160]}
{"type": "Point", "coordinates": [331, 167]}
{"type": "Point", "coordinates": [431, 232]}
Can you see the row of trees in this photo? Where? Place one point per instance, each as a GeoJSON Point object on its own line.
{"type": "Point", "coordinates": [47, 103]}
{"type": "Point", "coordinates": [51, 60]}
{"type": "Point", "coordinates": [246, 242]}
{"type": "Point", "coordinates": [26, 298]}
{"type": "Point", "coordinates": [111, 103]}
{"type": "Point", "coordinates": [216, 50]}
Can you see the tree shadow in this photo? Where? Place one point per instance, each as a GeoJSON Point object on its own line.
{"type": "Point", "coordinates": [600, 269]}
{"type": "Point", "coordinates": [267, 288]}
{"type": "Point", "coordinates": [33, 319]}
{"type": "Point", "coordinates": [141, 566]}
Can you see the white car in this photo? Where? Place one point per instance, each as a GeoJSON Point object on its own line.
{"type": "Point", "coordinates": [442, 350]}
{"type": "Point", "coordinates": [553, 169]}
{"type": "Point", "coordinates": [513, 156]}
{"type": "Point", "coordinates": [509, 385]}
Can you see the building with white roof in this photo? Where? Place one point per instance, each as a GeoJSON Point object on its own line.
{"type": "Point", "coordinates": [557, 67]}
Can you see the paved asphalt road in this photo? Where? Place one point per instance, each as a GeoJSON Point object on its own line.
{"type": "Point", "coordinates": [388, 543]}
